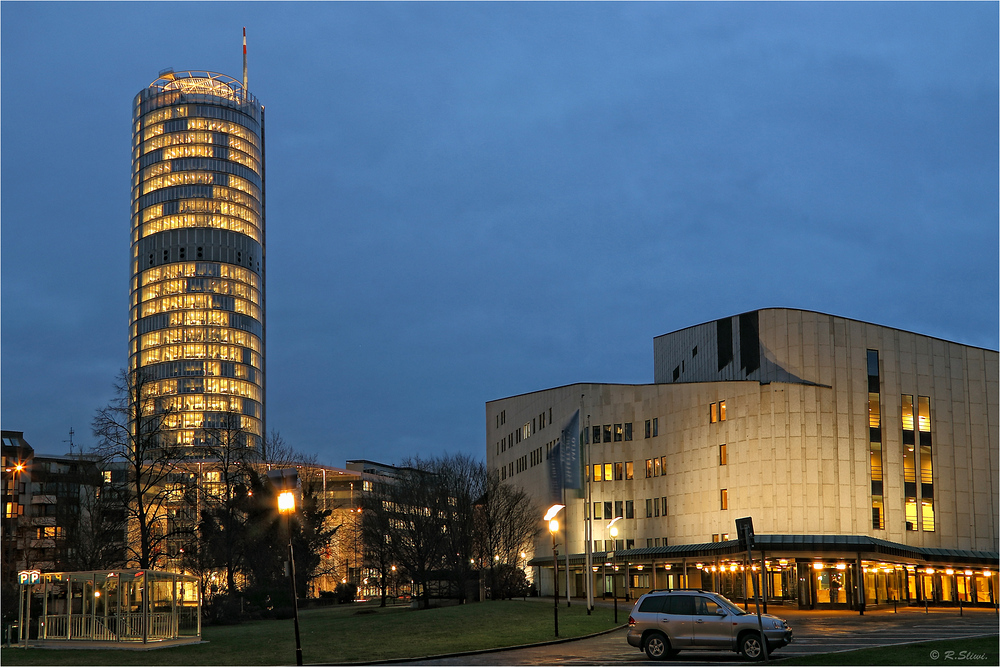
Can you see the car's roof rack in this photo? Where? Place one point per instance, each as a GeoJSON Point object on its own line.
{"type": "Point", "coordinates": [671, 590]}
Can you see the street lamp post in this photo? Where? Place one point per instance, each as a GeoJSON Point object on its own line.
{"type": "Point", "coordinates": [553, 529]}
{"type": "Point", "coordinates": [286, 482]}
{"type": "Point", "coordinates": [614, 572]}
{"type": "Point", "coordinates": [613, 530]}
{"type": "Point", "coordinates": [15, 500]}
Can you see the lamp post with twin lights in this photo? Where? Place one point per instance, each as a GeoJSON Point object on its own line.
{"type": "Point", "coordinates": [550, 516]}
{"type": "Point", "coordinates": [286, 484]}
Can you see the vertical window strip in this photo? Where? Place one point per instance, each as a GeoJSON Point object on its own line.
{"type": "Point", "coordinates": [875, 440]}
{"type": "Point", "coordinates": [926, 464]}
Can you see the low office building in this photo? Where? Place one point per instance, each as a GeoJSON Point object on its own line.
{"type": "Point", "coordinates": [54, 514]}
{"type": "Point", "coordinates": [866, 457]}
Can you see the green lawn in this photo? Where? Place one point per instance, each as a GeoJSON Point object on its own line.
{"type": "Point", "coordinates": [355, 633]}
{"type": "Point", "coordinates": [977, 651]}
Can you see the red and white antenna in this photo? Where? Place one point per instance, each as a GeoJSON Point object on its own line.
{"type": "Point", "coordinates": [244, 60]}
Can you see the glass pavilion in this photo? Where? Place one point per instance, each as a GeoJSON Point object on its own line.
{"type": "Point", "coordinates": [113, 607]}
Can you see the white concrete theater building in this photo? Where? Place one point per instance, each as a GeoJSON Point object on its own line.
{"type": "Point", "coordinates": [866, 456]}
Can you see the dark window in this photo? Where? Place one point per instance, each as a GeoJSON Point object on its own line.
{"type": "Point", "coordinates": [677, 373]}
{"type": "Point", "coordinates": [628, 431]}
{"type": "Point", "coordinates": [705, 606]}
{"type": "Point", "coordinates": [656, 427]}
{"type": "Point", "coordinates": [648, 423]}
{"type": "Point", "coordinates": [618, 510]}
{"type": "Point", "coordinates": [873, 381]}
{"type": "Point", "coordinates": [597, 434]}
{"type": "Point", "coordinates": [629, 509]}
{"type": "Point", "coordinates": [607, 509]}
{"type": "Point", "coordinates": [679, 605]}
{"type": "Point", "coordinates": [649, 508]}
{"type": "Point", "coordinates": [607, 432]}
{"type": "Point", "coordinates": [749, 342]}
{"type": "Point", "coordinates": [724, 341]}
{"type": "Point", "coordinates": [694, 351]}
{"type": "Point", "coordinates": [663, 501]}
{"type": "Point", "coordinates": [618, 432]}
{"type": "Point", "coordinates": [653, 604]}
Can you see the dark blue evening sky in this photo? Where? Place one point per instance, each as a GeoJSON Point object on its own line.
{"type": "Point", "coordinates": [470, 201]}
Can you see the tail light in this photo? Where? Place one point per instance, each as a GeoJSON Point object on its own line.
{"type": "Point", "coordinates": [631, 621]}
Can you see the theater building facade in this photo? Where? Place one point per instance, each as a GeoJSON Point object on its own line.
{"type": "Point", "coordinates": [866, 457]}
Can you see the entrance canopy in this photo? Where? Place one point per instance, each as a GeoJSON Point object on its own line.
{"type": "Point", "coordinates": [116, 608]}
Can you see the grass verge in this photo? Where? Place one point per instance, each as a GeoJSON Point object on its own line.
{"type": "Point", "coordinates": [354, 633]}
{"type": "Point", "coordinates": [975, 651]}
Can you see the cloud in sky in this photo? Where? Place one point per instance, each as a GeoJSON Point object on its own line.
{"type": "Point", "coordinates": [471, 200]}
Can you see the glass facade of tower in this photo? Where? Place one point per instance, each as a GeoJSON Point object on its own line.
{"type": "Point", "coordinates": [196, 322]}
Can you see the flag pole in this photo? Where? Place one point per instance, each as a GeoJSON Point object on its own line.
{"type": "Point", "coordinates": [589, 519]}
{"type": "Point", "coordinates": [566, 533]}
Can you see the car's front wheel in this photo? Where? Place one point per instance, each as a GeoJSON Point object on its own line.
{"type": "Point", "coordinates": [750, 646]}
{"type": "Point", "coordinates": [658, 647]}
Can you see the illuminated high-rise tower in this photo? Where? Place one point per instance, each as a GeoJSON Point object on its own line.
{"type": "Point", "coordinates": [196, 324]}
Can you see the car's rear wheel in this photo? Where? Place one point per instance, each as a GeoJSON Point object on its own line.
{"type": "Point", "coordinates": [658, 647]}
{"type": "Point", "coordinates": [750, 646]}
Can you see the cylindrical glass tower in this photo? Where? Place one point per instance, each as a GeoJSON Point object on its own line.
{"type": "Point", "coordinates": [196, 324]}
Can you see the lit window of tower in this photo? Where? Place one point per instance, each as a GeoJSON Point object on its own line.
{"type": "Point", "coordinates": [196, 323]}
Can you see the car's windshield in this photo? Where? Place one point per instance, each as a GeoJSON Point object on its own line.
{"type": "Point", "coordinates": [729, 605]}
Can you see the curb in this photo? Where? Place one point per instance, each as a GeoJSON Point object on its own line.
{"type": "Point", "coordinates": [396, 661]}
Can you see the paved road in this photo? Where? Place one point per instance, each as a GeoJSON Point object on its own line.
{"type": "Point", "coordinates": [815, 632]}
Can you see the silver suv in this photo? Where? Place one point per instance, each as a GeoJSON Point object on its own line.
{"type": "Point", "coordinates": [665, 622]}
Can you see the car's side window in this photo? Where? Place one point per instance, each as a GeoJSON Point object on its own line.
{"type": "Point", "coordinates": [680, 605]}
{"type": "Point", "coordinates": [653, 603]}
{"type": "Point", "coordinates": [705, 606]}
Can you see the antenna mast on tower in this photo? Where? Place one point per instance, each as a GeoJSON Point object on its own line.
{"type": "Point", "coordinates": [244, 61]}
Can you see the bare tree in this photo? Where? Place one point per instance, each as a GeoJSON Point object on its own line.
{"type": "Point", "coordinates": [276, 453]}
{"type": "Point", "coordinates": [131, 431]}
{"type": "Point", "coordinates": [507, 522]}
{"type": "Point", "coordinates": [95, 527]}
{"type": "Point", "coordinates": [417, 507]}
{"type": "Point", "coordinates": [229, 454]}
{"type": "Point", "coordinates": [463, 481]}
{"type": "Point", "coordinates": [377, 533]}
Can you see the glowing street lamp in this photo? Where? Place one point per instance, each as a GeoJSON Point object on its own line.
{"type": "Point", "coordinates": [286, 502]}
{"type": "Point", "coordinates": [286, 483]}
{"type": "Point", "coordinates": [550, 516]}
